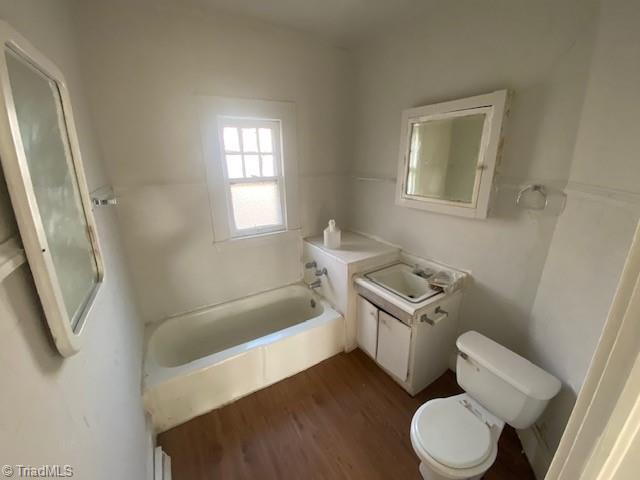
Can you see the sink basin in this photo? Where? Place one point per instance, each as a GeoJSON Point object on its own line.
{"type": "Point", "coordinates": [401, 280]}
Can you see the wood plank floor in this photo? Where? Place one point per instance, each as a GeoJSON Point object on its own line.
{"type": "Point", "coordinates": [342, 419]}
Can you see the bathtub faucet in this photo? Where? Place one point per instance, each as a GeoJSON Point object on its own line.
{"type": "Point", "coordinates": [315, 284]}
{"type": "Point", "coordinates": [314, 265]}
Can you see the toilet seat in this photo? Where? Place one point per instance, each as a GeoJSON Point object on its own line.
{"type": "Point", "coordinates": [451, 434]}
{"type": "Point", "coordinates": [451, 439]}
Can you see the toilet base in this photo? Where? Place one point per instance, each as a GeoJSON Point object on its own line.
{"type": "Point", "coordinates": [428, 474]}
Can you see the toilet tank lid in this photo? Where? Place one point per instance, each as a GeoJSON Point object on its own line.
{"type": "Point", "coordinates": [509, 366]}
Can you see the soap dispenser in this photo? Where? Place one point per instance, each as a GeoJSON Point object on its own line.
{"type": "Point", "coordinates": [332, 235]}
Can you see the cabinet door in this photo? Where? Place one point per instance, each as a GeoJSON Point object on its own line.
{"type": "Point", "coordinates": [394, 341]}
{"type": "Point", "coordinates": [367, 328]}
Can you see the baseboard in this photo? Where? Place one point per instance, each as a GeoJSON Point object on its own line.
{"type": "Point", "coordinates": [161, 465]}
{"type": "Point", "coordinates": [536, 451]}
{"type": "Point", "coordinates": [158, 462]}
{"type": "Point", "coordinates": [151, 445]}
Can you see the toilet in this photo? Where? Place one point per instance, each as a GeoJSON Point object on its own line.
{"type": "Point", "coordinates": [457, 437]}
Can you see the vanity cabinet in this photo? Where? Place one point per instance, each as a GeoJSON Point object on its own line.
{"type": "Point", "coordinates": [394, 344]}
{"type": "Point", "coordinates": [367, 326]}
{"type": "Point", "coordinates": [385, 338]}
{"type": "Point", "coordinates": [414, 350]}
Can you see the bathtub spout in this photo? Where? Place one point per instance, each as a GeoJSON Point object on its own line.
{"type": "Point", "coordinates": [315, 284]}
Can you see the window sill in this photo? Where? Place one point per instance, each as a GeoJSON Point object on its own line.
{"type": "Point", "coordinates": [258, 240]}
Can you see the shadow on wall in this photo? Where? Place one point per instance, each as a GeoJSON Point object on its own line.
{"type": "Point", "coordinates": [481, 297]}
{"type": "Point", "coordinates": [524, 131]}
{"type": "Point", "coordinates": [8, 227]}
{"type": "Point", "coordinates": [19, 302]}
{"type": "Point", "coordinates": [553, 421]}
{"type": "Point", "coordinates": [172, 236]}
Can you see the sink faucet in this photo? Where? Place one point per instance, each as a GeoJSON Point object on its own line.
{"type": "Point", "coordinates": [418, 271]}
{"type": "Point", "coordinates": [422, 272]}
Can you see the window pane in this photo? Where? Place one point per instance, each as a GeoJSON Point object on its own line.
{"type": "Point", "coordinates": [249, 140]}
{"type": "Point", "coordinates": [256, 204]}
{"type": "Point", "coordinates": [252, 165]}
{"type": "Point", "coordinates": [266, 145]}
{"type": "Point", "coordinates": [234, 166]}
{"type": "Point", "coordinates": [231, 139]}
{"type": "Point", "coordinates": [267, 166]}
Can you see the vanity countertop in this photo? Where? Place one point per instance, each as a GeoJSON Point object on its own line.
{"type": "Point", "coordinates": [385, 299]}
{"type": "Point", "coordinates": [354, 248]}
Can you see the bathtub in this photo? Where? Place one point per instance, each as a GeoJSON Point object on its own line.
{"type": "Point", "coordinates": [199, 361]}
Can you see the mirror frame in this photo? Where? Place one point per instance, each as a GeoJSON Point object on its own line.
{"type": "Point", "coordinates": [495, 106]}
{"type": "Point", "coordinates": [67, 338]}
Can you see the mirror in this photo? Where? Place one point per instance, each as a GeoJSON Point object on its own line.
{"type": "Point", "coordinates": [443, 158]}
{"type": "Point", "coordinates": [41, 162]}
{"type": "Point", "coordinates": [448, 155]}
{"type": "Point", "coordinates": [44, 139]}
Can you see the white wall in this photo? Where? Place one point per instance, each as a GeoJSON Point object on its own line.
{"type": "Point", "coordinates": [145, 61]}
{"type": "Point", "coordinates": [540, 50]}
{"type": "Point", "coordinates": [85, 411]}
{"type": "Point", "coordinates": [593, 235]}
{"type": "Point", "coordinates": [543, 282]}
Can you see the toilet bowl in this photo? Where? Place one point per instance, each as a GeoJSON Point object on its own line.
{"type": "Point", "coordinates": [456, 437]}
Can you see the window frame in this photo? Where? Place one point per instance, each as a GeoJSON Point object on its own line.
{"type": "Point", "coordinates": [240, 123]}
{"type": "Point", "coordinates": [214, 111]}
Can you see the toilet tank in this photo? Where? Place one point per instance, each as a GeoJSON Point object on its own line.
{"type": "Point", "coordinates": [506, 384]}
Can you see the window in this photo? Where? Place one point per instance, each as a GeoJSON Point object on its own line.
{"type": "Point", "coordinates": [250, 154]}
{"type": "Point", "coordinates": [253, 175]}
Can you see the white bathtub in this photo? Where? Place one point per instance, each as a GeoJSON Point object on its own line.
{"type": "Point", "coordinates": [201, 360]}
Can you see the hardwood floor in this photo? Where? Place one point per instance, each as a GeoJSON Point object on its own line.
{"type": "Point", "coordinates": [344, 418]}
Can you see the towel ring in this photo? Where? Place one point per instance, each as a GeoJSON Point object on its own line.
{"type": "Point", "coordinates": [534, 188]}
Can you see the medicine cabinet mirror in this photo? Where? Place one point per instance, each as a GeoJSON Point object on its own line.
{"type": "Point", "coordinates": [448, 155]}
{"type": "Point", "coordinates": [42, 166]}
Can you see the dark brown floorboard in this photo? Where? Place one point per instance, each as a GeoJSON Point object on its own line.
{"type": "Point", "coordinates": [342, 419]}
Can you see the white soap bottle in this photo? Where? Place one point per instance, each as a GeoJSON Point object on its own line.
{"type": "Point", "coordinates": [332, 235]}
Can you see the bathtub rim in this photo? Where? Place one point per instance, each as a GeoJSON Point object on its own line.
{"type": "Point", "coordinates": [154, 374]}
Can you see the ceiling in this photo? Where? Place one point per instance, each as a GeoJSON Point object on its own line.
{"type": "Point", "coordinates": [340, 21]}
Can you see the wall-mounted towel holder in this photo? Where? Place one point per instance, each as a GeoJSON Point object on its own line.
{"type": "Point", "coordinates": [103, 197]}
{"type": "Point", "coordinates": [541, 190]}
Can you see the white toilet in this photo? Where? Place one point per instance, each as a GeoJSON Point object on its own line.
{"type": "Point", "coordinates": [457, 437]}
